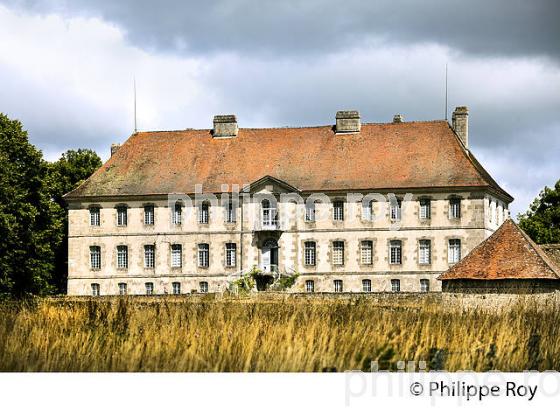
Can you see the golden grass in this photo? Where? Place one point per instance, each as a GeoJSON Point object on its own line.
{"type": "Point", "coordinates": [272, 334]}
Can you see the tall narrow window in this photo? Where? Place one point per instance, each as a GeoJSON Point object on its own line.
{"type": "Point", "coordinates": [366, 252]}
{"type": "Point", "coordinates": [367, 210]}
{"type": "Point", "coordinates": [309, 286]}
{"type": "Point", "coordinates": [95, 289]}
{"type": "Point", "coordinates": [424, 285]}
{"type": "Point", "coordinates": [455, 208]}
{"type": "Point", "coordinates": [269, 216]}
{"type": "Point", "coordinates": [231, 254]}
{"type": "Point", "coordinates": [94, 216]}
{"type": "Point", "coordinates": [149, 288]}
{"type": "Point", "coordinates": [338, 210]}
{"type": "Point", "coordinates": [425, 252]}
{"type": "Point", "coordinates": [310, 253]}
{"type": "Point", "coordinates": [177, 214]}
{"type": "Point", "coordinates": [149, 215]}
{"type": "Point", "coordinates": [176, 286]}
{"type": "Point", "coordinates": [203, 287]}
{"type": "Point", "coordinates": [123, 289]}
{"type": "Point", "coordinates": [366, 285]}
{"type": "Point", "coordinates": [309, 211]}
{"type": "Point", "coordinates": [95, 257]}
{"type": "Point", "coordinates": [454, 251]}
{"type": "Point", "coordinates": [396, 210]}
{"type": "Point", "coordinates": [122, 257]}
{"type": "Point", "coordinates": [230, 210]}
{"type": "Point", "coordinates": [204, 213]}
{"type": "Point", "coordinates": [395, 285]}
{"type": "Point", "coordinates": [149, 256]}
{"type": "Point", "coordinates": [122, 217]}
{"type": "Point", "coordinates": [338, 285]}
{"type": "Point", "coordinates": [203, 255]}
{"type": "Point", "coordinates": [395, 252]}
{"type": "Point", "coordinates": [176, 256]}
{"type": "Point", "coordinates": [425, 209]}
{"type": "Point", "coordinates": [338, 253]}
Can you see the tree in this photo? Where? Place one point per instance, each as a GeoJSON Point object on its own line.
{"type": "Point", "coordinates": [64, 175]}
{"type": "Point", "coordinates": [27, 229]}
{"type": "Point", "coordinates": [542, 221]}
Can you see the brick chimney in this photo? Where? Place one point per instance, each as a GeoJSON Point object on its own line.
{"type": "Point", "coordinates": [347, 121]}
{"type": "Point", "coordinates": [225, 126]}
{"type": "Point", "coordinates": [114, 148]}
{"type": "Point", "coordinates": [460, 124]}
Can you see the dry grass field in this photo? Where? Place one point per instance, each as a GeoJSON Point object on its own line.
{"type": "Point", "coordinates": [272, 333]}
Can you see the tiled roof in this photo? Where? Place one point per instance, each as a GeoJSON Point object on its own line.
{"type": "Point", "coordinates": [507, 254]}
{"type": "Point", "coordinates": [380, 156]}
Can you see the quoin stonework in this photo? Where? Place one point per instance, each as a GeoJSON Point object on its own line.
{"type": "Point", "coordinates": [348, 207]}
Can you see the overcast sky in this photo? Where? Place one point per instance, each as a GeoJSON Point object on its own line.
{"type": "Point", "coordinates": [67, 69]}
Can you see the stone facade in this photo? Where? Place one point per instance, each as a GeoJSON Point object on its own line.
{"type": "Point", "coordinates": [479, 218]}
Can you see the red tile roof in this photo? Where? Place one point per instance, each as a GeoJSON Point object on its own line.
{"type": "Point", "coordinates": [507, 254]}
{"type": "Point", "coordinates": [381, 156]}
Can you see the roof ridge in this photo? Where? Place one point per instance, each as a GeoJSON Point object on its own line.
{"type": "Point", "coordinates": [540, 253]}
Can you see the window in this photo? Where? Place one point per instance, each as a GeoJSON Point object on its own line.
{"type": "Point", "coordinates": [309, 286]}
{"type": "Point", "coordinates": [203, 255]}
{"type": "Point", "coordinates": [268, 213]}
{"type": "Point", "coordinates": [425, 209]}
{"type": "Point", "coordinates": [425, 252]}
{"type": "Point", "coordinates": [95, 257]}
{"type": "Point", "coordinates": [122, 217]}
{"type": "Point", "coordinates": [176, 288]}
{"type": "Point", "coordinates": [366, 285]}
{"type": "Point", "coordinates": [231, 254]}
{"type": "Point", "coordinates": [122, 257]}
{"type": "Point", "coordinates": [338, 285]}
{"type": "Point", "coordinates": [95, 291]}
{"type": "Point", "coordinates": [94, 216]}
{"type": "Point", "coordinates": [310, 254]}
{"type": "Point", "coordinates": [455, 208]}
{"type": "Point", "coordinates": [177, 211]}
{"type": "Point", "coordinates": [454, 251]}
{"type": "Point", "coordinates": [122, 289]}
{"type": "Point", "coordinates": [395, 285]}
{"type": "Point", "coordinates": [230, 212]}
{"type": "Point", "coordinates": [395, 252]}
{"type": "Point", "coordinates": [149, 288]}
{"type": "Point", "coordinates": [338, 253]}
{"type": "Point", "coordinates": [338, 211]}
{"type": "Point", "coordinates": [366, 252]}
{"type": "Point", "coordinates": [149, 215]}
{"type": "Point", "coordinates": [203, 287]}
{"type": "Point", "coordinates": [367, 210]}
{"type": "Point", "coordinates": [149, 256]}
{"type": "Point", "coordinates": [204, 213]}
{"type": "Point", "coordinates": [310, 211]}
{"type": "Point", "coordinates": [424, 285]}
{"type": "Point", "coordinates": [176, 256]}
{"type": "Point", "coordinates": [396, 210]}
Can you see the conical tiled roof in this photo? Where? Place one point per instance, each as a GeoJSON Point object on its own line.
{"type": "Point", "coordinates": [507, 254]}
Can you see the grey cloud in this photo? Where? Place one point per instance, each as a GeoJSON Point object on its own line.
{"type": "Point", "coordinates": [309, 27]}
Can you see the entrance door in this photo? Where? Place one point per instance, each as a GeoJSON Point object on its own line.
{"type": "Point", "coordinates": [269, 261]}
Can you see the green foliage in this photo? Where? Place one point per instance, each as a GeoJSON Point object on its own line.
{"type": "Point", "coordinates": [285, 282]}
{"type": "Point", "coordinates": [33, 222]}
{"type": "Point", "coordinates": [542, 220]}
{"type": "Point", "coordinates": [246, 283]}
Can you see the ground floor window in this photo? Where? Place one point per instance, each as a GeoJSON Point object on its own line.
{"type": "Point", "coordinates": [176, 288]}
{"type": "Point", "coordinates": [424, 285]}
{"type": "Point", "coordinates": [338, 285]}
{"type": "Point", "coordinates": [366, 285]}
{"type": "Point", "coordinates": [95, 291]}
{"type": "Point", "coordinates": [149, 288]}
{"type": "Point", "coordinates": [309, 286]}
{"type": "Point", "coordinates": [122, 289]}
{"type": "Point", "coordinates": [395, 285]}
{"type": "Point", "coordinates": [203, 287]}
